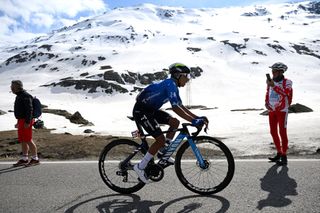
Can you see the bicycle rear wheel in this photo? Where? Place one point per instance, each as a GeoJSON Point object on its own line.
{"type": "Point", "coordinates": [117, 174]}
{"type": "Point", "coordinates": [219, 166]}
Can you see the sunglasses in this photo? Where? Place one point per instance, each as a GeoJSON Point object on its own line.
{"type": "Point", "coordinates": [188, 76]}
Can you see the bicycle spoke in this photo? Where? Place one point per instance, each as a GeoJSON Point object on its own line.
{"type": "Point", "coordinates": [120, 178]}
{"type": "Point", "coordinates": [218, 171]}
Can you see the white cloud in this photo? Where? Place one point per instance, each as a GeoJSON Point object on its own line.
{"type": "Point", "coordinates": [68, 22]}
{"type": "Point", "coordinates": [18, 36]}
{"type": "Point", "coordinates": [25, 8]}
{"type": "Point", "coordinates": [274, 1]}
{"type": "Point", "coordinates": [34, 16]}
{"type": "Point", "coordinates": [41, 19]}
{"type": "Point", "coordinates": [7, 22]}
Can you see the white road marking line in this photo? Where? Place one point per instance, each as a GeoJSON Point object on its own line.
{"type": "Point", "coordinates": [116, 161]}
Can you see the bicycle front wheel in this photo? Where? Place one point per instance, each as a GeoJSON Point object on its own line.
{"type": "Point", "coordinates": [217, 173]}
{"type": "Point", "coordinates": [116, 172]}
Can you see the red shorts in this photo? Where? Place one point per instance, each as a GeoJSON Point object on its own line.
{"type": "Point", "coordinates": [24, 134]}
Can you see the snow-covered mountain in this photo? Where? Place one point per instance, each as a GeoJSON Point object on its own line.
{"type": "Point", "coordinates": [98, 66]}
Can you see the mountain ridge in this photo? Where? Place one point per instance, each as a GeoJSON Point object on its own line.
{"type": "Point", "coordinates": [119, 36]}
{"type": "Point", "coordinates": [97, 67]}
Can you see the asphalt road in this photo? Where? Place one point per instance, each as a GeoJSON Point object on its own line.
{"type": "Point", "coordinates": [257, 186]}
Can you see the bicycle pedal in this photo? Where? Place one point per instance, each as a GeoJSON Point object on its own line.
{"type": "Point", "coordinates": [164, 163]}
{"type": "Point", "coordinates": [119, 173]}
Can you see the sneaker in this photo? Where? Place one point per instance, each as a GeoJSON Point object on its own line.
{"type": "Point", "coordinates": [33, 162]}
{"type": "Point", "coordinates": [141, 174]}
{"type": "Point", "coordinates": [20, 162]}
{"type": "Point", "coordinates": [283, 160]}
{"type": "Point", "coordinates": [275, 158]}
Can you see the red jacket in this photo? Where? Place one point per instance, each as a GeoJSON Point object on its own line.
{"type": "Point", "coordinates": [279, 97]}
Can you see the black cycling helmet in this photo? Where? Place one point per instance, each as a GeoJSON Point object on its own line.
{"type": "Point", "coordinates": [177, 69]}
{"type": "Point", "coordinates": [279, 66]}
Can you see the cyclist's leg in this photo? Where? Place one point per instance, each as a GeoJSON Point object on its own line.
{"type": "Point", "coordinates": [147, 120]}
{"type": "Point", "coordinates": [174, 124]}
{"type": "Point", "coordinates": [165, 118]}
{"type": "Point", "coordinates": [139, 168]}
{"type": "Point", "coordinates": [160, 141]}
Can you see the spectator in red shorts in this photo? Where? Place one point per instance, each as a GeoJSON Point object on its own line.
{"type": "Point", "coordinates": [23, 113]}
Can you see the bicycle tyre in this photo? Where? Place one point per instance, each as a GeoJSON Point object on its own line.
{"type": "Point", "coordinates": [218, 154]}
{"type": "Point", "coordinates": [109, 165]}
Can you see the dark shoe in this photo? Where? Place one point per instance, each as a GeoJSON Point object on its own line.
{"type": "Point", "coordinates": [20, 162]}
{"type": "Point", "coordinates": [33, 162]}
{"type": "Point", "coordinates": [275, 158]}
{"type": "Point", "coordinates": [283, 160]}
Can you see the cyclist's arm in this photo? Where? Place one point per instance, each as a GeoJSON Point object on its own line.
{"type": "Point", "coordinates": [180, 111]}
{"type": "Point", "coordinates": [186, 110]}
{"type": "Point", "coordinates": [176, 103]}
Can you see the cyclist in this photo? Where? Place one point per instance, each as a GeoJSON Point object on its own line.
{"type": "Point", "coordinates": [278, 100]}
{"type": "Point", "coordinates": [147, 112]}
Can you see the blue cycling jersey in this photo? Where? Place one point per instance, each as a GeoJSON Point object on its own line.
{"type": "Point", "coordinates": [157, 94]}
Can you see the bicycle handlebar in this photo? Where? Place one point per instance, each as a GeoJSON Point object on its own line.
{"type": "Point", "coordinates": [199, 128]}
{"type": "Point", "coordinates": [137, 133]}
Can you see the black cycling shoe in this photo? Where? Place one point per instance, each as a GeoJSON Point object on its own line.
{"type": "Point", "coordinates": [283, 160]}
{"type": "Point", "coordinates": [275, 158]}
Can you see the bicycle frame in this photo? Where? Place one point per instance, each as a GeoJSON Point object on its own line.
{"type": "Point", "coordinates": [184, 133]}
{"type": "Point", "coordinates": [121, 177]}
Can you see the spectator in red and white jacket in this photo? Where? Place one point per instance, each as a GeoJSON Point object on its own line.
{"type": "Point", "coordinates": [278, 100]}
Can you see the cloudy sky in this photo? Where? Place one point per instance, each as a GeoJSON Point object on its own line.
{"type": "Point", "coordinates": [25, 19]}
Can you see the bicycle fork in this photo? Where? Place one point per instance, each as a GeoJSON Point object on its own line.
{"type": "Point", "coordinates": [197, 153]}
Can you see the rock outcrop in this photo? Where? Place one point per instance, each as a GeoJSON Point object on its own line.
{"type": "Point", "coordinates": [112, 82]}
{"type": "Point", "coordinates": [294, 108]}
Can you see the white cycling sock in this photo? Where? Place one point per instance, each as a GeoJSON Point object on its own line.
{"type": "Point", "coordinates": [145, 160]}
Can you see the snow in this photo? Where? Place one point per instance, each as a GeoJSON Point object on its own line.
{"type": "Point", "coordinates": [230, 80]}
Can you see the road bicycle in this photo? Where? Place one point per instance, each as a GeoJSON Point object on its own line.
{"type": "Point", "coordinates": [203, 164]}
